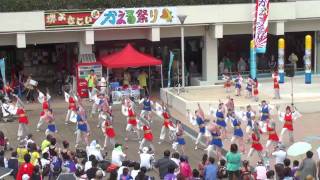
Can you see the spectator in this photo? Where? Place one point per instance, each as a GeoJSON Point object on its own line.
{"type": "Point", "coordinates": [3, 159]}
{"type": "Point", "coordinates": [164, 164]}
{"type": "Point", "coordinates": [245, 171]}
{"type": "Point", "coordinates": [146, 158]}
{"type": "Point", "coordinates": [125, 164]}
{"type": "Point", "coordinates": [202, 164]}
{"type": "Point", "coordinates": [117, 155]}
{"type": "Point", "coordinates": [242, 65]}
{"type": "Point", "coordinates": [233, 158]}
{"type": "Point", "coordinates": [309, 177]}
{"type": "Point", "coordinates": [13, 164]}
{"type": "Point", "coordinates": [94, 149]}
{"type": "Point", "coordinates": [142, 78]}
{"type": "Point", "coordinates": [287, 169]}
{"type": "Point", "coordinates": [211, 170]}
{"type": "Point", "coordinates": [135, 171]}
{"type": "Point", "coordinates": [170, 172]}
{"type": "Point", "coordinates": [185, 168]}
{"type": "Point", "coordinates": [222, 169]}
{"type": "Point", "coordinates": [45, 164]}
{"type": "Point", "coordinates": [261, 171]}
{"type": "Point", "coordinates": [280, 154]}
{"type": "Point", "coordinates": [91, 173]}
{"type": "Point", "coordinates": [125, 174]}
{"type": "Point", "coordinates": [68, 164]}
{"type": "Point", "coordinates": [195, 175]}
{"type": "Point", "coordinates": [88, 164]}
{"type": "Point", "coordinates": [46, 143]}
{"type": "Point", "coordinates": [56, 164]}
{"type": "Point", "coordinates": [308, 166]}
{"type": "Point", "coordinates": [35, 156]}
{"type": "Point", "coordinates": [36, 175]}
{"type": "Point", "coordinates": [176, 158]}
{"type": "Point", "coordinates": [21, 152]}
{"type": "Point", "coordinates": [294, 170]}
{"type": "Point", "coordinates": [221, 67]}
{"type": "Point", "coordinates": [270, 175]}
{"type": "Point", "coordinates": [99, 175]}
{"type": "Point", "coordinates": [142, 175]}
{"type": "Point", "coordinates": [26, 168]}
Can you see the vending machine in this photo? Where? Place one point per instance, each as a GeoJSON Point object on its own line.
{"type": "Point", "coordinates": [83, 69]}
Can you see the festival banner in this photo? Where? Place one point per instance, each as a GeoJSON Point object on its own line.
{"type": "Point", "coordinates": [3, 70]}
{"type": "Point", "coordinates": [261, 25]}
{"type": "Point", "coordinates": [137, 17]}
{"type": "Point", "coordinates": [170, 66]}
{"type": "Point", "coordinates": [63, 19]}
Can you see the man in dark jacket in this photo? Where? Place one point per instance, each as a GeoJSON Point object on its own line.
{"type": "Point", "coordinates": [164, 163]}
{"type": "Point", "coordinates": [13, 163]}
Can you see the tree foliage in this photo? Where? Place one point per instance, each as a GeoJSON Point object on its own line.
{"type": "Point", "coordinates": [33, 5]}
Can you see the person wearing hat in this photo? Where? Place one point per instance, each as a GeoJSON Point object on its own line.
{"type": "Point", "coordinates": [280, 155]}
{"type": "Point", "coordinates": [288, 117]}
{"type": "Point", "coordinates": [146, 158]}
{"type": "Point", "coordinates": [147, 137]}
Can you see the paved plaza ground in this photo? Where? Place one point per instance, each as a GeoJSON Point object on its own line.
{"type": "Point", "coordinates": [306, 129]}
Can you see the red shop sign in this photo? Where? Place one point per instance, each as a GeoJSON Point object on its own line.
{"type": "Point", "coordinates": [63, 19]}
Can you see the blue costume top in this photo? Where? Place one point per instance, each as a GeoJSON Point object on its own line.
{"type": "Point", "coordinates": [147, 105]}
{"type": "Point", "coordinates": [265, 113]}
{"type": "Point", "coordinates": [220, 119]}
{"type": "Point", "coordinates": [52, 127]}
{"type": "Point", "coordinates": [237, 84]}
{"type": "Point", "coordinates": [81, 125]}
{"type": "Point", "coordinates": [237, 129]}
{"type": "Point", "coordinates": [249, 86]}
{"type": "Point", "coordinates": [248, 115]}
{"type": "Point", "coordinates": [200, 122]}
{"type": "Point", "coordinates": [216, 140]}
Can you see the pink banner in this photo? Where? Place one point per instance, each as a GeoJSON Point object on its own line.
{"type": "Point", "coordinates": [261, 25]}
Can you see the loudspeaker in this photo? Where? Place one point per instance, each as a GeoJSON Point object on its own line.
{"type": "Point", "coordinates": [289, 69]}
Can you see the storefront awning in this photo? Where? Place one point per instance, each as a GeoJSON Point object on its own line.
{"type": "Point", "coordinates": [129, 57]}
{"type": "Point", "coordinates": [87, 58]}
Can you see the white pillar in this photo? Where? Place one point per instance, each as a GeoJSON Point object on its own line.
{"type": "Point", "coordinates": [89, 37]}
{"type": "Point", "coordinates": [154, 34]}
{"type": "Point", "coordinates": [21, 40]}
{"type": "Point", "coordinates": [84, 48]}
{"type": "Point", "coordinates": [210, 57]}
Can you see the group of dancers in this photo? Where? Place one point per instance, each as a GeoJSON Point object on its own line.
{"type": "Point", "coordinates": [213, 127]}
{"type": "Point", "coordinates": [252, 85]}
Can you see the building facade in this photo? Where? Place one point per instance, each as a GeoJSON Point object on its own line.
{"type": "Point", "coordinates": [212, 33]}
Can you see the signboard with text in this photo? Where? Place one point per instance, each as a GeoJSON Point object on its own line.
{"type": "Point", "coordinates": [137, 17]}
{"type": "Point", "coordinates": [63, 19]}
{"type": "Point", "coordinates": [112, 17]}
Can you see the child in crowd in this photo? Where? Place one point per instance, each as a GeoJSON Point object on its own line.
{"type": "Point", "coordinates": [245, 171]}
{"type": "Point", "coordinates": [294, 170]}
{"type": "Point", "coordinates": [222, 169]}
{"type": "Point", "coordinates": [270, 175]}
{"type": "Point", "coordinates": [228, 82]}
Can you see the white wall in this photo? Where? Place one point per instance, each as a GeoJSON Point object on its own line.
{"type": "Point", "coordinates": [22, 21]}
{"type": "Point", "coordinates": [54, 37]}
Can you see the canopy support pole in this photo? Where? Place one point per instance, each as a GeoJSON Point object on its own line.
{"type": "Point", "coordinates": [161, 76]}
{"type": "Point", "coordinates": [149, 93]}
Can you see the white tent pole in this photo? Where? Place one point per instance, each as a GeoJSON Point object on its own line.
{"type": "Point", "coordinates": [161, 76]}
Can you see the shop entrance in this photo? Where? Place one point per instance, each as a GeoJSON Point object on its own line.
{"type": "Point", "coordinates": [48, 64]}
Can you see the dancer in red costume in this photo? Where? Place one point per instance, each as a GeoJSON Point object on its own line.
{"type": "Point", "coordinates": [256, 145]}
{"type": "Point", "coordinates": [167, 124]}
{"type": "Point", "coordinates": [72, 107]}
{"type": "Point", "coordinates": [272, 134]}
{"type": "Point", "coordinates": [276, 86]}
{"type": "Point", "coordinates": [132, 122]}
{"type": "Point", "coordinates": [23, 122]}
{"type": "Point", "coordinates": [147, 138]}
{"type": "Point", "coordinates": [109, 132]}
{"type": "Point", "coordinates": [288, 117]}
